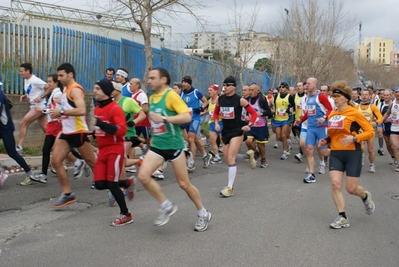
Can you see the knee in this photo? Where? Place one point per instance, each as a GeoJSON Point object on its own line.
{"type": "Point", "coordinates": [101, 185]}
{"type": "Point", "coordinates": [351, 189]}
{"type": "Point", "coordinates": [336, 185]}
{"type": "Point", "coordinates": [185, 185]}
{"type": "Point", "coordinates": [144, 177]}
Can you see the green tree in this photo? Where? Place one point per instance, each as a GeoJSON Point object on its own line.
{"type": "Point", "coordinates": [264, 64]}
{"type": "Point", "coordinates": [223, 56]}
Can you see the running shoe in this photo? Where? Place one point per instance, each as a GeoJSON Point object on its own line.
{"type": "Point", "coordinates": [397, 168]}
{"type": "Point", "coordinates": [221, 150]}
{"type": "Point", "coordinates": [78, 168]}
{"type": "Point", "coordinates": [263, 163]}
{"type": "Point", "coordinates": [202, 223]}
{"type": "Point", "coordinates": [298, 157]}
{"type": "Point", "coordinates": [284, 156]}
{"type": "Point", "coordinates": [275, 145]}
{"type": "Point", "coordinates": [158, 174]}
{"type": "Point", "coordinates": [41, 178]}
{"type": "Point", "coordinates": [322, 169]}
{"type": "Point", "coordinates": [131, 169]}
{"type": "Point", "coordinates": [111, 199]}
{"type": "Point", "coordinates": [122, 220]}
{"type": "Point", "coordinates": [216, 160]}
{"type": "Point", "coordinates": [372, 168]}
{"type": "Point", "coordinates": [55, 172]}
{"type": "Point", "coordinates": [251, 161]}
{"type": "Point", "coordinates": [369, 204]}
{"type": "Point", "coordinates": [86, 170]}
{"type": "Point", "coordinates": [190, 165]}
{"type": "Point", "coordinates": [93, 185]}
{"type": "Point", "coordinates": [27, 181]}
{"type": "Point", "coordinates": [165, 214]}
{"type": "Point", "coordinates": [207, 160]}
{"type": "Point", "coordinates": [288, 151]}
{"type": "Point", "coordinates": [381, 151]}
{"type": "Point", "coordinates": [19, 149]}
{"type": "Point", "coordinates": [3, 178]}
{"type": "Point", "coordinates": [64, 200]}
{"type": "Point", "coordinates": [164, 165]}
{"type": "Point", "coordinates": [340, 222]}
{"type": "Point", "coordinates": [227, 191]}
{"type": "Point", "coordinates": [131, 190]}
{"type": "Point", "coordinates": [310, 178]}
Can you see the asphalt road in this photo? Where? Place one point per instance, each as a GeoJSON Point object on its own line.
{"type": "Point", "coordinates": [274, 219]}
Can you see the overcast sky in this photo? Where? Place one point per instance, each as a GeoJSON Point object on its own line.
{"type": "Point", "coordinates": [379, 18]}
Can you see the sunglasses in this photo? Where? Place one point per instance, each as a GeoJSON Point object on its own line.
{"type": "Point", "coordinates": [228, 84]}
{"type": "Point", "coordinates": [336, 96]}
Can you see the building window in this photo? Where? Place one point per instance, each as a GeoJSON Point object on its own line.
{"type": "Point", "coordinates": [383, 50]}
{"type": "Point", "coordinates": [384, 44]}
{"type": "Point", "coordinates": [380, 50]}
{"type": "Point", "coordinates": [380, 44]}
{"type": "Point", "coordinates": [383, 61]}
{"type": "Point", "coordinates": [383, 55]}
{"type": "Point", "coordinates": [379, 55]}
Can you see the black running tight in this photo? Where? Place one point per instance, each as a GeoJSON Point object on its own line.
{"type": "Point", "coordinates": [47, 146]}
{"type": "Point", "coordinates": [9, 145]}
{"type": "Point", "coordinates": [116, 192]}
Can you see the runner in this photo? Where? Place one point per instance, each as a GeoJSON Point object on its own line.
{"type": "Point", "coordinates": [110, 131]}
{"type": "Point", "coordinates": [35, 92]}
{"type": "Point", "coordinates": [393, 113]}
{"type": "Point", "coordinates": [386, 125]}
{"type": "Point", "coordinates": [374, 116]}
{"type": "Point", "coordinates": [74, 131]}
{"type": "Point", "coordinates": [122, 77]}
{"type": "Point", "coordinates": [167, 112]}
{"type": "Point", "coordinates": [213, 134]}
{"type": "Point", "coordinates": [6, 133]}
{"type": "Point", "coordinates": [230, 105]}
{"type": "Point", "coordinates": [345, 140]}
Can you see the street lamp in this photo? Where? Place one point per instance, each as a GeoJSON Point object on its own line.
{"type": "Point", "coordinates": [133, 30]}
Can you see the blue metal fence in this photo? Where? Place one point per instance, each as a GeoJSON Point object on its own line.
{"type": "Point", "coordinates": [92, 54]}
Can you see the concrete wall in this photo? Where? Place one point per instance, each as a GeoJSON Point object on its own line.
{"type": "Point", "coordinates": [35, 135]}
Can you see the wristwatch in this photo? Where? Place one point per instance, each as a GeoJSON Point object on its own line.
{"type": "Point", "coordinates": [354, 139]}
{"type": "Point", "coordinates": [62, 111]}
{"type": "Point", "coordinates": [250, 125]}
{"type": "Point", "coordinates": [164, 119]}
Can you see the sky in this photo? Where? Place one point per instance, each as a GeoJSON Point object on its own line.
{"type": "Point", "coordinates": [378, 17]}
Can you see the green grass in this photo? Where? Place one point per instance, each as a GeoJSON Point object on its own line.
{"type": "Point", "coordinates": [27, 151]}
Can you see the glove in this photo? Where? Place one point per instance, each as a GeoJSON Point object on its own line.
{"type": "Point", "coordinates": [130, 123]}
{"type": "Point", "coordinates": [198, 110]}
{"type": "Point", "coordinates": [99, 122]}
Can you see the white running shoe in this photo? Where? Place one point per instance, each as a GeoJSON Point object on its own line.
{"type": "Point", "coordinates": [131, 169]}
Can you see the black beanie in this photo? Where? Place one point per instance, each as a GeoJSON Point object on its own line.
{"type": "Point", "coordinates": [231, 80]}
{"type": "Point", "coordinates": [106, 86]}
{"type": "Point", "coordinates": [187, 79]}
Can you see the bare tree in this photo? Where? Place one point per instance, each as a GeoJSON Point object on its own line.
{"type": "Point", "coordinates": [310, 41]}
{"type": "Point", "coordinates": [145, 13]}
{"type": "Point", "coordinates": [379, 75]}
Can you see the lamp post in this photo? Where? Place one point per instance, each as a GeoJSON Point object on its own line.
{"type": "Point", "coordinates": [133, 30]}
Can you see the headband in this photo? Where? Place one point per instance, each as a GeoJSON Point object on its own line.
{"type": "Point", "coordinates": [337, 91]}
{"type": "Point", "coordinates": [122, 73]}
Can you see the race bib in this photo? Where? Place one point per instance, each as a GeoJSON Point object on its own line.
{"type": "Point", "coordinates": [211, 114]}
{"type": "Point", "coordinates": [395, 120]}
{"type": "Point", "coordinates": [98, 131]}
{"type": "Point", "coordinates": [336, 122]}
{"type": "Point", "coordinates": [311, 110]}
{"type": "Point", "coordinates": [281, 112]}
{"type": "Point", "coordinates": [158, 128]}
{"type": "Point", "coordinates": [227, 113]}
{"type": "Point", "coordinates": [191, 111]}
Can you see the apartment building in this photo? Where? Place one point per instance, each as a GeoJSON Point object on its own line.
{"type": "Point", "coordinates": [376, 50]}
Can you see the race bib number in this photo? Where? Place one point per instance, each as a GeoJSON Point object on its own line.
{"type": "Point", "coordinates": [311, 110]}
{"type": "Point", "coordinates": [211, 114]}
{"type": "Point", "coordinates": [98, 131]}
{"type": "Point", "coordinates": [336, 122]}
{"type": "Point", "coordinates": [395, 120]}
{"type": "Point", "coordinates": [191, 111]}
{"type": "Point", "coordinates": [158, 128]}
{"type": "Point", "coordinates": [281, 112]}
{"type": "Point", "coordinates": [227, 113]}
{"type": "Point", "coordinates": [257, 122]}
{"type": "Point", "coordinates": [298, 106]}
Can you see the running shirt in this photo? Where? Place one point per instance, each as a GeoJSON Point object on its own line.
{"type": "Point", "coordinates": [348, 122]}
{"type": "Point", "coordinates": [304, 125]}
{"type": "Point", "coordinates": [317, 106]}
{"type": "Point", "coordinates": [281, 108]}
{"type": "Point", "coordinates": [230, 110]}
{"type": "Point", "coordinates": [141, 98]}
{"type": "Point", "coordinates": [72, 124]}
{"type": "Point", "coordinates": [371, 112]}
{"type": "Point", "coordinates": [395, 117]}
{"type": "Point", "coordinates": [113, 114]}
{"type": "Point", "coordinates": [298, 106]}
{"type": "Point", "coordinates": [192, 98]}
{"type": "Point", "coordinates": [167, 136]}
{"type": "Point", "coordinates": [51, 104]}
{"type": "Point", "coordinates": [130, 108]}
{"type": "Point", "coordinates": [126, 90]}
{"type": "Point", "coordinates": [211, 109]}
{"type": "Point", "coordinates": [34, 87]}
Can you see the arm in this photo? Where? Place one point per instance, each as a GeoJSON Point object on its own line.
{"type": "Point", "coordinates": [266, 109]}
{"type": "Point", "coordinates": [377, 114]}
{"type": "Point", "coordinates": [216, 113]}
{"type": "Point", "coordinates": [291, 100]}
{"type": "Point", "coordinates": [326, 103]}
{"type": "Point", "coordinates": [141, 116]}
{"type": "Point", "coordinates": [118, 127]}
{"type": "Point", "coordinates": [386, 115]}
{"type": "Point", "coordinates": [244, 103]}
{"type": "Point", "coordinates": [368, 130]}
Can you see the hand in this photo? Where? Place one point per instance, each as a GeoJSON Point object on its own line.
{"type": "Point", "coordinates": [37, 99]}
{"type": "Point", "coordinates": [155, 117]}
{"type": "Point", "coordinates": [322, 142]}
{"type": "Point", "coordinates": [54, 113]}
{"type": "Point", "coordinates": [246, 128]}
{"type": "Point", "coordinates": [217, 126]}
{"type": "Point", "coordinates": [21, 98]}
{"type": "Point", "coordinates": [374, 124]}
{"type": "Point", "coordinates": [348, 139]}
{"type": "Point", "coordinates": [321, 120]}
{"type": "Point", "coordinates": [291, 109]}
{"type": "Point", "coordinates": [130, 123]}
{"type": "Point", "coordinates": [297, 122]}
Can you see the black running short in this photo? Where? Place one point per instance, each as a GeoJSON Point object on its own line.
{"type": "Point", "coordinates": [346, 161]}
{"type": "Point", "coordinates": [75, 140]}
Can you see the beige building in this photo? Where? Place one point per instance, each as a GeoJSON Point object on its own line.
{"type": "Point", "coordinates": [395, 59]}
{"type": "Point", "coordinates": [376, 50]}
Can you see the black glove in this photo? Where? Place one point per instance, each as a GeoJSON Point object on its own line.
{"type": "Point", "coordinates": [198, 110]}
{"type": "Point", "coordinates": [130, 123]}
{"type": "Point", "coordinates": [99, 122]}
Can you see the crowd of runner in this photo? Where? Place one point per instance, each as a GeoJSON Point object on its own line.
{"type": "Point", "coordinates": [335, 121]}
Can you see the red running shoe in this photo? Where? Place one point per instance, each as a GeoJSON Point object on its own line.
{"type": "Point", "coordinates": [122, 220]}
